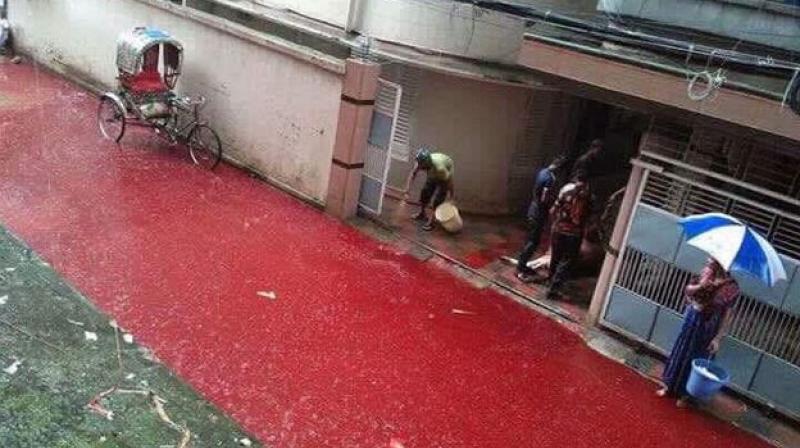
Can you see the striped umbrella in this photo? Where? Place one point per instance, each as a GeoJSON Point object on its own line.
{"type": "Point", "coordinates": [736, 247]}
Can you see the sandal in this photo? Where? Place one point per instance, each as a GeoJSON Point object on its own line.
{"type": "Point", "coordinates": [526, 278]}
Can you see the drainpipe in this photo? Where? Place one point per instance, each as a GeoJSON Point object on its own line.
{"type": "Point", "coordinates": [353, 14]}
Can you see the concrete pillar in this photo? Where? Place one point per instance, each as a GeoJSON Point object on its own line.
{"type": "Point", "coordinates": [355, 117]}
{"type": "Point", "coordinates": [618, 237]}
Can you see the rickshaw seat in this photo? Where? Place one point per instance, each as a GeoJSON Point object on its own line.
{"type": "Point", "coordinates": [145, 82]}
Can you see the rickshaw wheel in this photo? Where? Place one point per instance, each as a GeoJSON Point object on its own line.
{"type": "Point", "coordinates": [111, 119]}
{"type": "Point", "coordinates": [205, 147]}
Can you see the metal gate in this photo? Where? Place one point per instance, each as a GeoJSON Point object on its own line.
{"type": "Point", "coordinates": [645, 301]}
{"type": "Point", "coordinates": [378, 155]}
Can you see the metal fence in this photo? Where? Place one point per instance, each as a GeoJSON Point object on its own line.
{"type": "Point", "coordinates": [766, 166]}
{"type": "Point", "coordinates": [711, 171]}
{"type": "Point", "coordinates": [682, 196]}
{"type": "Point", "coordinates": [756, 323]}
{"type": "Point", "coordinates": [704, 170]}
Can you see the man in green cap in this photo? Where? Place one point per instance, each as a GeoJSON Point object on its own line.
{"type": "Point", "coordinates": [438, 185]}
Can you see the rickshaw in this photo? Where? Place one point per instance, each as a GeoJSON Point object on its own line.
{"type": "Point", "coordinates": [149, 64]}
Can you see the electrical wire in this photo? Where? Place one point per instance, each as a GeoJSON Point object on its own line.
{"type": "Point", "coordinates": [612, 32]}
{"type": "Point", "coordinates": [713, 81]}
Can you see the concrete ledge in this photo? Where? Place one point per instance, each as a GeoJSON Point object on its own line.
{"type": "Point", "coordinates": [286, 47]}
{"type": "Point", "coordinates": [337, 37]}
{"type": "Point", "coordinates": [637, 86]}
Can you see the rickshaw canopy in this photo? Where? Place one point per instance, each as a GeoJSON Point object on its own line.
{"type": "Point", "coordinates": [132, 46]}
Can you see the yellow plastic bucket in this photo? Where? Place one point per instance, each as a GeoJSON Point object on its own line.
{"type": "Point", "coordinates": [447, 215]}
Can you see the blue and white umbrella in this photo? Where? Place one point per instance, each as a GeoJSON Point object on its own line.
{"type": "Point", "coordinates": [735, 246]}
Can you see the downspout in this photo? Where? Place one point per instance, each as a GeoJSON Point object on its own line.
{"type": "Point", "coordinates": [353, 14]}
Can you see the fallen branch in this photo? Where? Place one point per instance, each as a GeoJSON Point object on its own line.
{"type": "Point", "coordinates": [158, 403]}
{"type": "Point", "coordinates": [97, 407]}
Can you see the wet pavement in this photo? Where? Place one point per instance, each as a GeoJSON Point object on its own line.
{"type": "Point", "coordinates": [304, 331]}
{"type": "Point", "coordinates": [484, 246]}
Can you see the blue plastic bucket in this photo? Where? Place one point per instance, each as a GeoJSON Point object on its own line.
{"type": "Point", "coordinates": [706, 379]}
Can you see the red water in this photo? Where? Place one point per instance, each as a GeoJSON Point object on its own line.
{"type": "Point", "coordinates": [361, 345]}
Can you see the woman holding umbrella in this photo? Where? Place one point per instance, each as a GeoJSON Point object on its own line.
{"type": "Point", "coordinates": [733, 247]}
{"type": "Point", "coordinates": [708, 315]}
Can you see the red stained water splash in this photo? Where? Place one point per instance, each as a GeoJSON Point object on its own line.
{"type": "Point", "coordinates": [360, 346]}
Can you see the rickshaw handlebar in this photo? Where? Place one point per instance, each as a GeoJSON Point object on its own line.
{"type": "Point", "coordinates": [189, 102]}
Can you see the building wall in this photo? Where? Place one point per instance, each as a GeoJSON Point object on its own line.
{"type": "Point", "coordinates": [447, 26]}
{"type": "Point", "coordinates": [275, 112]}
{"type": "Point", "coordinates": [485, 127]}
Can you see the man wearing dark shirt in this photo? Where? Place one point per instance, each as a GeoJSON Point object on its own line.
{"type": "Point", "coordinates": [544, 194]}
{"type": "Point", "coordinates": [589, 162]}
{"type": "Point", "coordinates": [570, 214]}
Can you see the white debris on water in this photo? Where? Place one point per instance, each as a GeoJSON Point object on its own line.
{"type": "Point", "coordinates": [245, 442]}
{"type": "Point", "coordinates": [3, 300]}
{"type": "Point", "coordinates": [90, 335]}
{"type": "Point", "coordinates": [75, 322]}
{"type": "Point", "coordinates": [12, 369]}
{"type": "Point", "coordinates": [11, 269]}
{"type": "Point", "coordinates": [267, 294]}
{"type": "Point", "coordinates": [130, 376]}
{"type": "Point", "coordinates": [465, 312]}
{"type": "Point", "coordinates": [128, 338]}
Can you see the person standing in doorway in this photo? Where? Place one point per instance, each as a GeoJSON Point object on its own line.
{"type": "Point", "coordinates": [570, 214]}
{"type": "Point", "coordinates": [707, 318]}
{"type": "Point", "coordinates": [438, 185]}
{"type": "Point", "coordinates": [589, 162]}
{"type": "Point", "coordinates": [544, 195]}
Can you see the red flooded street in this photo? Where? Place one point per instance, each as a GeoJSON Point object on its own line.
{"type": "Point", "coordinates": [361, 346]}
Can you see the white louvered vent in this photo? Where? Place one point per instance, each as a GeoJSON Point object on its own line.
{"type": "Point", "coordinates": [409, 79]}
{"type": "Point", "coordinates": [385, 101]}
